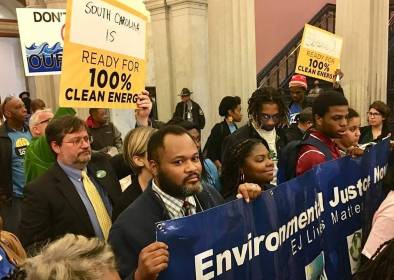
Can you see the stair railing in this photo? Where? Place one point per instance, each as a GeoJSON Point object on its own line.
{"type": "Point", "coordinates": [283, 64]}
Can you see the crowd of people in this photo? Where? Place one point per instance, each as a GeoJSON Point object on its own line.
{"type": "Point", "coordinates": [69, 217]}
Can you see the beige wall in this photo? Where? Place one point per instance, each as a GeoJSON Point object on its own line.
{"type": "Point", "coordinates": [12, 77]}
{"type": "Point", "coordinates": [278, 21]}
{"type": "Point", "coordinates": [363, 24]}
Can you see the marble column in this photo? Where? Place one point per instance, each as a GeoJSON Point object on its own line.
{"type": "Point", "coordinates": [179, 38]}
{"type": "Point", "coordinates": [232, 52]}
{"type": "Point", "coordinates": [363, 24]}
{"type": "Point", "coordinates": [190, 62]}
{"type": "Point", "coordinates": [211, 52]}
{"type": "Point", "coordinates": [162, 54]}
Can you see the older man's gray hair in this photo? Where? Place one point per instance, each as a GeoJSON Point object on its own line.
{"type": "Point", "coordinates": [72, 257]}
{"type": "Point", "coordinates": [35, 118]}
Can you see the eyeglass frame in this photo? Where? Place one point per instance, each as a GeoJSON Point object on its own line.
{"type": "Point", "coordinates": [266, 117]}
{"type": "Point", "coordinates": [374, 114]}
{"type": "Point", "coordinates": [78, 141]}
{"type": "Point", "coordinates": [44, 121]}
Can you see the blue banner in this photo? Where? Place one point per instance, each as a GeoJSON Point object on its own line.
{"type": "Point", "coordinates": [307, 228]}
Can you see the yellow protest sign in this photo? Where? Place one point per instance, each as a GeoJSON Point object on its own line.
{"type": "Point", "coordinates": [320, 53]}
{"type": "Point", "coordinates": [104, 55]}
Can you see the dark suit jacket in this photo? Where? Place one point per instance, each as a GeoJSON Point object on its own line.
{"type": "Point", "coordinates": [197, 113]}
{"type": "Point", "coordinates": [213, 147]}
{"type": "Point", "coordinates": [135, 228]}
{"type": "Point", "coordinates": [52, 207]}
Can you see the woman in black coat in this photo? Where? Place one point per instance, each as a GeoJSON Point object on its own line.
{"type": "Point", "coordinates": [378, 117]}
{"type": "Point", "coordinates": [230, 109]}
{"type": "Point", "coordinates": [134, 152]}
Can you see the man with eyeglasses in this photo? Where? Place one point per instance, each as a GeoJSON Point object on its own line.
{"type": "Point", "coordinates": [38, 122]}
{"type": "Point", "coordinates": [267, 114]}
{"type": "Point", "coordinates": [14, 139]}
{"type": "Point", "coordinates": [75, 195]}
{"type": "Point", "coordinates": [39, 157]}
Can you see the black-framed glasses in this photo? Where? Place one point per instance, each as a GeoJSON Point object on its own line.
{"type": "Point", "coordinates": [44, 121]}
{"type": "Point", "coordinates": [373, 114]}
{"type": "Point", "coordinates": [78, 141]}
{"type": "Point", "coordinates": [267, 117]}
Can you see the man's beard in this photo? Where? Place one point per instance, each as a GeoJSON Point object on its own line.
{"type": "Point", "coordinates": [179, 191]}
{"type": "Point", "coordinates": [82, 158]}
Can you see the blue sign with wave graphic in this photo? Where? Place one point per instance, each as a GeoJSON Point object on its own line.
{"type": "Point", "coordinates": [44, 58]}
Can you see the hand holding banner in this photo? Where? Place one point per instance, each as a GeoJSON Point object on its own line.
{"type": "Point", "coordinates": [307, 228]}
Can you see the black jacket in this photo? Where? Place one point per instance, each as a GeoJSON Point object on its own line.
{"type": "Point", "coordinates": [213, 147]}
{"type": "Point", "coordinates": [135, 227]}
{"type": "Point", "coordinates": [105, 136]}
{"type": "Point", "coordinates": [197, 113]}
{"type": "Point", "coordinates": [129, 195]}
{"type": "Point", "coordinates": [248, 132]}
{"type": "Point", "coordinates": [367, 136]}
{"type": "Point", "coordinates": [293, 133]}
{"type": "Point", "coordinates": [52, 207]}
{"type": "Point", "coordinates": [5, 162]}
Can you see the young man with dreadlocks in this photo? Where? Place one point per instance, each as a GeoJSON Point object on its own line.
{"type": "Point", "coordinates": [266, 113]}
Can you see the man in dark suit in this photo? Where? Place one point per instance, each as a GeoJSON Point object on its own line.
{"type": "Point", "coordinates": [175, 191]}
{"type": "Point", "coordinates": [75, 195]}
{"type": "Point", "coordinates": [189, 110]}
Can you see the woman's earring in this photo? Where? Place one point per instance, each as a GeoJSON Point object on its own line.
{"type": "Point", "coordinates": [242, 178]}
